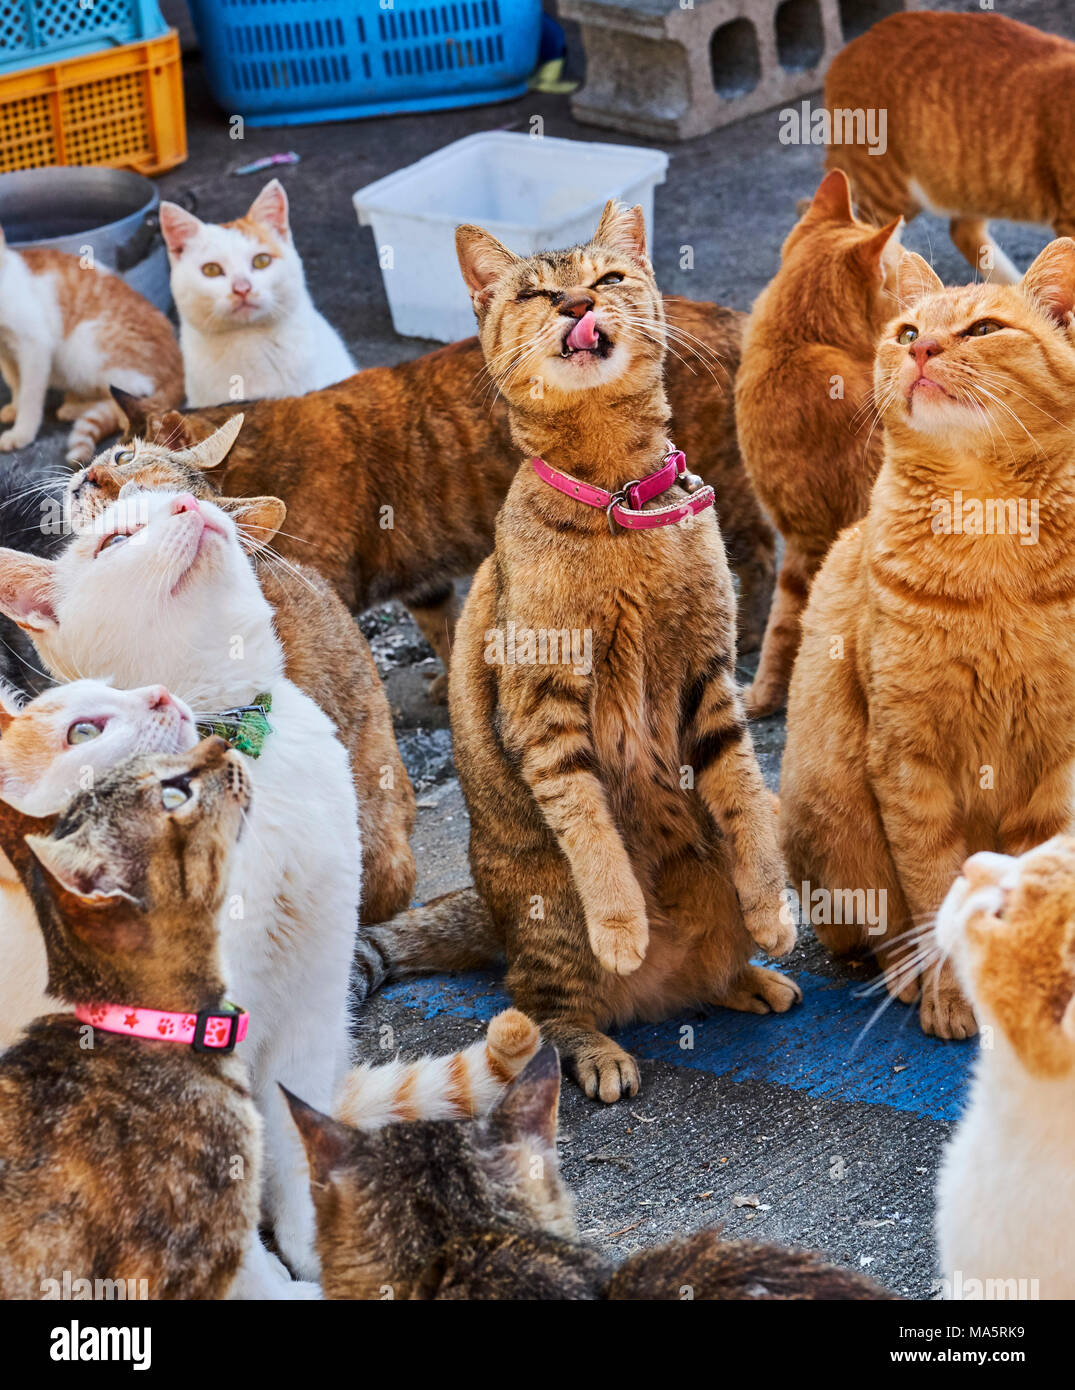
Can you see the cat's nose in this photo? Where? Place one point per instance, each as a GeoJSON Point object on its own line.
{"type": "Point", "coordinates": [241, 287]}
{"type": "Point", "coordinates": [922, 349]}
{"type": "Point", "coordinates": [185, 502]}
{"type": "Point", "coordinates": [575, 305]}
{"type": "Point", "coordinates": [159, 697]}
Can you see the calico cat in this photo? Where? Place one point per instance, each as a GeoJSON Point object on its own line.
{"type": "Point", "coordinates": [393, 478]}
{"type": "Point", "coordinates": [1009, 926]}
{"type": "Point", "coordinates": [478, 1210]}
{"type": "Point", "coordinates": [247, 325]}
{"type": "Point", "coordinates": [325, 654]}
{"type": "Point", "coordinates": [930, 715]}
{"type": "Point", "coordinates": [803, 403]}
{"type": "Point", "coordinates": [147, 1151]}
{"type": "Point", "coordinates": [50, 749]}
{"type": "Point", "coordinates": [80, 329]}
{"type": "Point", "coordinates": [162, 585]}
{"type": "Point", "coordinates": [995, 146]}
{"type": "Point", "coordinates": [621, 835]}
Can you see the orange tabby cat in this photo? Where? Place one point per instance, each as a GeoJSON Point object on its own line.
{"type": "Point", "coordinates": [803, 394]}
{"type": "Point", "coordinates": [930, 712]}
{"type": "Point", "coordinates": [621, 835]}
{"type": "Point", "coordinates": [979, 124]}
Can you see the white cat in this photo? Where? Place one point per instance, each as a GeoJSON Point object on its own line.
{"type": "Point", "coordinates": [248, 327]}
{"type": "Point", "coordinates": [161, 589]}
{"type": "Point", "coordinates": [1006, 1193]}
{"type": "Point", "coordinates": [48, 749]}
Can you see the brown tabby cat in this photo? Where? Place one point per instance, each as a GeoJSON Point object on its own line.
{"type": "Point", "coordinates": [477, 1210]}
{"type": "Point", "coordinates": [393, 478]}
{"type": "Point", "coordinates": [803, 398]}
{"type": "Point", "coordinates": [930, 713]}
{"type": "Point", "coordinates": [621, 835]}
{"type": "Point", "coordinates": [123, 1158]}
{"type": "Point", "coordinates": [979, 125]}
{"type": "Point", "coordinates": [325, 654]}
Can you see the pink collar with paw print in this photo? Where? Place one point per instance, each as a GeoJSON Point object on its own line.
{"type": "Point", "coordinates": [212, 1030]}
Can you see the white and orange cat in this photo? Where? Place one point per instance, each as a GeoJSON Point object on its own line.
{"type": "Point", "coordinates": [1006, 1195]}
{"type": "Point", "coordinates": [248, 327]}
{"type": "Point", "coordinates": [69, 325]}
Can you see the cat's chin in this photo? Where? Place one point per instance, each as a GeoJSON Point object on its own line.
{"type": "Point", "coordinates": [583, 371]}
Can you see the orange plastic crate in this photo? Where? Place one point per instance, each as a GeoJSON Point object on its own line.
{"type": "Point", "coordinates": [122, 107]}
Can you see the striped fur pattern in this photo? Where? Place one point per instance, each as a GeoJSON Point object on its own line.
{"type": "Point", "coordinates": [804, 403]}
{"type": "Point", "coordinates": [930, 712]}
{"type": "Point", "coordinates": [71, 326]}
{"type": "Point", "coordinates": [621, 835]}
{"type": "Point", "coordinates": [461, 1084]}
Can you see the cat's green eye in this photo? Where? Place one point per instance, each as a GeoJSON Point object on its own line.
{"type": "Point", "coordinates": [261, 261]}
{"type": "Point", "coordinates": [82, 731]}
{"type": "Point", "coordinates": [211, 269]}
{"type": "Point", "coordinates": [612, 278]}
{"type": "Point", "coordinates": [982, 327]}
{"type": "Point", "coordinates": [174, 794]}
{"type": "Point", "coordinates": [907, 335]}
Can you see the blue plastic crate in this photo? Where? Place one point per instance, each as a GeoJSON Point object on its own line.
{"type": "Point", "coordinates": [47, 31]}
{"type": "Point", "coordinates": [285, 62]}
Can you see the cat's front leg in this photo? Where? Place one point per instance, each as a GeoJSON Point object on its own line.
{"type": "Point", "coordinates": [261, 1276]}
{"type": "Point", "coordinates": [719, 750]}
{"type": "Point", "coordinates": [34, 364]}
{"type": "Point", "coordinates": [547, 726]}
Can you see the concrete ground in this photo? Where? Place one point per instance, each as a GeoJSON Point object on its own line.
{"type": "Point", "coordinates": [801, 1128]}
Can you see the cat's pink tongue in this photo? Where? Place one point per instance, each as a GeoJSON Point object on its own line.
{"type": "Point", "coordinates": [584, 333]}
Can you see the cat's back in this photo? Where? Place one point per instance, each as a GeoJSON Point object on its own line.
{"type": "Point", "coordinates": [136, 1144]}
{"type": "Point", "coordinates": [501, 1266]}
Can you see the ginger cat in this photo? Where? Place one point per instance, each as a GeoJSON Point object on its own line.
{"type": "Point", "coordinates": [1009, 927]}
{"type": "Point", "coordinates": [979, 125]}
{"type": "Point", "coordinates": [803, 397]}
{"type": "Point", "coordinates": [82, 330]}
{"type": "Point", "coordinates": [503, 1225]}
{"type": "Point", "coordinates": [325, 654]}
{"type": "Point", "coordinates": [930, 712]}
{"type": "Point", "coordinates": [621, 835]}
{"type": "Point", "coordinates": [394, 477]}
{"type": "Point", "coordinates": [131, 1158]}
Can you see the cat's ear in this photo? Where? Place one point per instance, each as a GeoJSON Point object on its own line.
{"type": "Point", "coordinates": [258, 518]}
{"type": "Point", "coordinates": [1050, 281]}
{"type": "Point", "coordinates": [914, 279]}
{"type": "Point", "coordinates": [623, 229]}
{"type": "Point", "coordinates": [270, 208]}
{"type": "Point", "coordinates": [169, 431]}
{"type": "Point", "coordinates": [832, 201]}
{"type": "Point", "coordinates": [177, 226]}
{"type": "Point", "coordinates": [483, 260]}
{"type": "Point", "coordinates": [326, 1141]}
{"type": "Point", "coordinates": [136, 411]}
{"type": "Point", "coordinates": [215, 448]}
{"type": "Point", "coordinates": [880, 254]}
{"type": "Point", "coordinates": [531, 1103]}
{"type": "Point", "coordinates": [27, 593]}
{"type": "Point", "coordinates": [79, 871]}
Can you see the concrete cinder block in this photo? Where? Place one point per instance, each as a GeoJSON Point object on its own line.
{"type": "Point", "coordinates": [672, 69]}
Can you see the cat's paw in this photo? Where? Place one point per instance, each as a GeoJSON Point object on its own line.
{"type": "Point", "coordinates": [512, 1039]}
{"type": "Point", "coordinates": [772, 926]}
{"type": "Point", "coordinates": [619, 942]}
{"type": "Point", "coordinates": [79, 455]}
{"type": "Point", "coordinates": [15, 439]}
{"type": "Point", "coordinates": [605, 1072]}
{"type": "Point", "coordinates": [760, 991]}
{"type": "Point", "coordinates": [761, 700]}
{"type": "Point", "coordinates": [7, 413]}
{"type": "Point", "coordinates": [944, 1012]}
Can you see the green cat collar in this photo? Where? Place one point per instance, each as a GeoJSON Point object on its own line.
{"type": "Point", "coordinates": [245, 728]}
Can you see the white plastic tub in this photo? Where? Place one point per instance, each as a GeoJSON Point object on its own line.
{"type": "Point", "coordinates": [533, 193]}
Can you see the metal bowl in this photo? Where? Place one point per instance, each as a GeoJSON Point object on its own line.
{"type": "Point", "coordinates": [110, 210]}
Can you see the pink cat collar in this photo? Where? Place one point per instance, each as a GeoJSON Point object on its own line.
{"type": "Point", "coordinates": [624, 506]}
{"type": "Point", "coordinates": [212, 1030]}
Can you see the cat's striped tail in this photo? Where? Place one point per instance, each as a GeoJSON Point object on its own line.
{"type": "Point", "coordinates": [453, 932]}
{"type": "Point", "coordinates": [457, 1086]}
{"type": "Point", "coordinates": [97, 422]}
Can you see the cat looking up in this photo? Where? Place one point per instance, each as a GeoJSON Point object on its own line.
{"type": "Point", "coordinates": [247, 325]}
